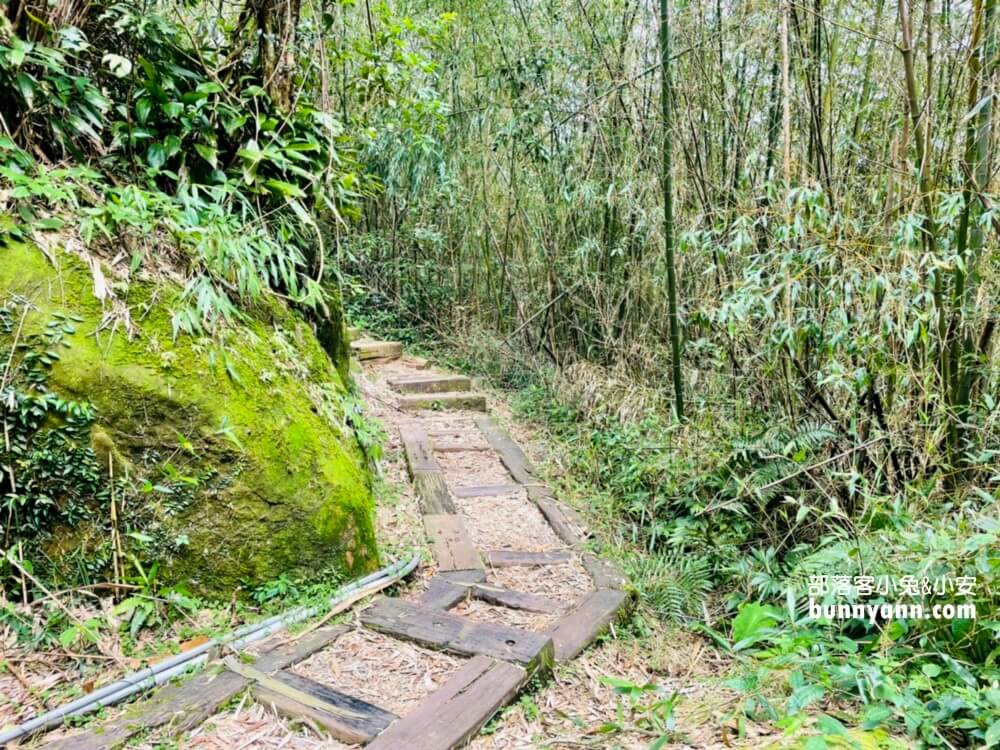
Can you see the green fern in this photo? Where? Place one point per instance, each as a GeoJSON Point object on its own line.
{"type": "Point", "coordinates": [674, 585]}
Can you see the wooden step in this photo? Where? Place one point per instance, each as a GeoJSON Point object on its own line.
{"type": "Point", "coordinates": [419, 451]}
{"type": "Point", "coordinates": [436, 629]}
{"type": "Point", "coordinates": [579, 628]}
{"type": "Point", "coordinates": [443, 594]}
{"type": "Point", "coordinates": [487, 490]}
{"type": "Point", "coordinates": [417, 363]}
{"type": "Point", "coordinates": [456, 711]}
{"type": "Point", "coordinates": [509, 558]}
{"type": "Point", "coordinates": [514, 599]}
{"type": "Point", "coordinates": [346, 718]}
{"type": "Point", "coordinates": [511, 455]}
{"type": "Point", "coordinates": [450, 542]}
{"type": "Point", "coordinates": [605, 573]}
{"type": "Point", "coordinates": [370, 349]}
{"type": "Point", "coordinates": [563, 519]}
{"type": "Point", "coordinates": [443, 402]}
{"type": "Point", "coordinates": [185, 705]}
{"type": "Point", "coordinates": [431, 384]}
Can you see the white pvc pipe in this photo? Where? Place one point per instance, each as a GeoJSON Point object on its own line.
{"type": "Point", "coordinates": [167, 669]}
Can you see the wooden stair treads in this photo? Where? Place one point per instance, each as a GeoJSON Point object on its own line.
{"type": "Point", "coordinates": [443, 401]}
{"type": "Point", "coordinates": [371, 349]}
{"type": "Point", "coordinates": [419, 451]}
{"type": "Point", "coordinates": [450, 542]}
{"type": "Point", "coordinates": [509, 558]}
{"type": "Point", "coordinates": [432, 494]}
{"type": "Point", "coordinates": [185, 705]}
{"type": "Point", "coordinates": [456, 711]}
{"type": "Point", "coordinates": [514, 599]}
{"type": "Point", "coordinates": [436, 629]}
{"type": "Point", "coordinates": [443, 594]}
{"type": "Point", "coordinates": [417, 363]}
{"type": "Point", "coordinates": [579, 628]}
{"type": "Point", "coordinates": [605, 573]}
{"type": "Point", "coordinates": [431, 384]}
{"type": "Point", "coordinates": [485, 490]}
{"type": "Point", "coordinates": [345, 717]}
{"type": "Point", "coordinates": [517, 463]}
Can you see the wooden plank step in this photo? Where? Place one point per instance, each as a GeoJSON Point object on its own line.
{"type": "Point", "coordinates": [456, 711]}
{"type": "Point", "coordinates": [443, 594]}
{"type": "Point", "coordinates": [432, 494]}
{"type": "Point", "coordinates": [605, 573]}
{"type": "Point", "coordinates": [417, 363]}
{"type": "Point", "coordinates": [419, 451]}
{"type": "Point", "coordinates": [431, 384]}
{"type": "Point", "coordinates": [486, 490]}
{"type": "Point", "coordinates": [509, 558]}
{"type": "Point", "coordinates": [443, 402]}
{"type": "Point", "coordinates": [459, 635]}
{"type": "Point", "coordinates": [579, 628]}
{"type": "Point", "coordinates": [346, 718]}
{"type": "Point", "coordinates": [450, 542]}
{"type": "Point", "coordinates": [184, 705]}
{"type": "Point", "coordinates": [514, 599]}
{"type": "Point", "coordinates": [517, 463]}
{"type": "Point", "coordinates": [370, 349]}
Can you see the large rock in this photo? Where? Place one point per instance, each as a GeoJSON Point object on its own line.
{"type": "Point", "coordinates": [249, 466]}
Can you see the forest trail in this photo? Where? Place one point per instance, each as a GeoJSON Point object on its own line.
{"type": "Point", "coordinates": [507, 590]}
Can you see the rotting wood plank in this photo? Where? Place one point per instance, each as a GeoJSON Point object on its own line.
{"type": "Point", "coordinates": [581, 627]}
{"type": "Point", "coordinates": [370, 349]}
{"type": "Point", "coordinates": [419, 451]}
{"type": "Point", "coordinates": [436, 629]}
{"type": "Point", "coordinates": [509, 558]}
{"type": "Point", "coordinates": [450, 542]}
{"type": "Point", "coordinates": [443, 402]}
{"type": "Point", "coordinates": [511, 455]}
{"type": "Point", "coordinates": [442, 593]}
{"type": "Point", "coordinates": [563, 520]}
{"type": "Point", "coordinates": [605, 573]}
{"type": "Point", "coordinates": [432, 494]}
{"type": "Point", "coordinates": [185, 705]}
{"type": "Point", "coordinates": [485, 490]}
{"type": "Point", "coordinates": [514, 599]}
{"type": "Point", "coordinates": [455, 712]}
{"type": "Point", "coordinates": [345, 717]}
{"type": "Point", "coordinates": [431, 384]}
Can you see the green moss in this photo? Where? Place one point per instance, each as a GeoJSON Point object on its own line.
{"type": "Point", "coordinates": [258, 411]}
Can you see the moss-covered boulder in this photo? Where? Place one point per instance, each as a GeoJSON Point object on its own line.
{"type": "Point", "coordinates": [237, 449]}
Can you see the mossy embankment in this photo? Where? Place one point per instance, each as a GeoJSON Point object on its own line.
{"type": "Point", "coordinates": [239, 447]}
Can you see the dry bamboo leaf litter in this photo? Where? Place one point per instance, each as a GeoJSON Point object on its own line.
{"type": "Point", "coordinates": [507, 522]}
{"type": "Point", "coordinates": [480, 611]}
{"type": "Point", "coordinates": [392, 674]}
{"type": "Point", "coordinates": [467, 468]}
{"type": "Point", "coordinates": [252, 726]}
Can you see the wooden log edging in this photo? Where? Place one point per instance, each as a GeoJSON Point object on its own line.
{"type": "Point", "coordinates": [187, 704]}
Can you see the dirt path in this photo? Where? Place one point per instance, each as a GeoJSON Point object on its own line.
{"type": "Point", "coordinates": [494, 499]}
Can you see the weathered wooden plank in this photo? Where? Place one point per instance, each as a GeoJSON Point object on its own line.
{"type": "Point", "coordinates": [443, 401]}
{"type": "Point", "coordinates": [514, 599]}
{"type": "Point", "coordinates": [442, 593]}
{"type": "Point", "coordinates": [417, 363]}
{"type": "Point", "coordinates": [485, 490]}
{"type": "Point", "coordinates": [431, 384]}
{"type": "Point", "coordinates": [605, 573]}
{"type": "Point", "coordinates": [564, 521]}
{"type": "Point", "coordinates": [459, 635]}
{"type": "Point", "coordinates": [419, 451]}
{"type": "Point", "coordinates": [432, 493]}
{"type": "Point", "coordinates": [450, 542]}
{"type": "Point", "coordinates": [371, 349]}
{"type": "Point", "coordinates": [345, 717]}
{"type": "Point", "coordinates": [509, 558]}
{"type": "Point", "coordinates": [463, 577]}
{"type": "Point", "coordinates": [517, 463]}
{"type": "Point", "coordinates": [185, 705]}
{"type": "Point", "coordinates": [454, 713]}
{"type": "Point", "coordinates": [579, 628]}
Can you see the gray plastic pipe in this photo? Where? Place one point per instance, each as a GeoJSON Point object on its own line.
{"type": "Point", "coordinates": [167, 669]}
